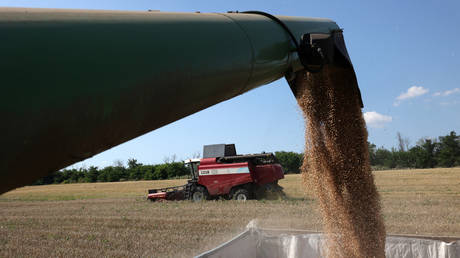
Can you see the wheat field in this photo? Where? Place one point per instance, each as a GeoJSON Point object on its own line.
{"type": "Point", "coordinates": [115, 219]}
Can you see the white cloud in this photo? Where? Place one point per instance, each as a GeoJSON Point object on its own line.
{"type": "Point", "coordinates": [447, 92]}
{"type": "Point", "coordinates": [412, 92]}
{"type": "Point", "coordinates": [376, 120]}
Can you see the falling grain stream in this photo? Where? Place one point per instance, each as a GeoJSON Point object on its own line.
{"type": "Point", "coordinates": [336, 163]}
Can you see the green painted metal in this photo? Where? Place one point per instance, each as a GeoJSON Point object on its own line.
{"type": "Point", "coordinates": [76, 82]}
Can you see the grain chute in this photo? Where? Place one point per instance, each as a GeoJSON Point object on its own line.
{"type": "Point", "coordinates": [77, 82]}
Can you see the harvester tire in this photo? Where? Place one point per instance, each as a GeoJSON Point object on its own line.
{"type": "Point", "coordinates": [200, 194]}
{"type": "Point", "coordinates": [241, 195]}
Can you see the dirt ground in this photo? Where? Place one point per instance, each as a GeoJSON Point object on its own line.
{"type": "Point", "coordinates": [114, 219]}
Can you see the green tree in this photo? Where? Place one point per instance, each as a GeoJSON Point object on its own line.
{"type": "Point", "coordinates": [92, 174]}
{"type": "Point", "coordinates": [177, 169]}
{"type": "Point", "coordinates": [161, 172]}
{"type": "Point", "coordinates": [132, 163]}
{"type": "Point", "coordinates": [71, 175]}
{"type": "Point", "coordinates": [146, 172]}
{"type": "Point", "coordinates": [372, 154]}
{"type": "Point", "coordinates": [424, 153]}
{"type": "Point", "coordinates": [58, 178]}
{"type": "Point", "coordinates": [403, 159]}
{"type": "Point", "coordinates": [135, 171]}
{"type": "Point", "coordinates": [104, 174]}
{"type": "Point", "coordinates": [449, 150]}
{"type": "Point", "coordinates": [384, 158]}
{"type": "Point", "coordinates": [290, 161]}
{"type": "Point", "coordinates": [148, 175]}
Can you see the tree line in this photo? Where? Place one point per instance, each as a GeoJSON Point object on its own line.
{"type": "Point", "coordinates": [133, 172]}
{"type": "Point", "coordinates": [443, 151]}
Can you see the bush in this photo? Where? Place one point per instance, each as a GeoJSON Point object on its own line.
{"type": "Point", "coordinates": [161, 172]}
{"type": "Point", "coordinates": [290, 161]}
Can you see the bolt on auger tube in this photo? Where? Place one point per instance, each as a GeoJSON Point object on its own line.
{"type": "Point", "coordinates": [77, 82]}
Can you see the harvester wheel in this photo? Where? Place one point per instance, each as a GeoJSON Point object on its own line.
{"type": "Point", "coordinates": [200, 194]}
{"type": "Point", "coordinates": [241, 195]}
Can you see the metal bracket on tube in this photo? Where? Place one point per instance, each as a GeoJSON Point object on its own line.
{"type": "Point", "coordinates": [316, 50]}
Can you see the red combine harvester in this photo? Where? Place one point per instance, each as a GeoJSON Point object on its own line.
{"type": "Point", "coordinates": [222, 173]}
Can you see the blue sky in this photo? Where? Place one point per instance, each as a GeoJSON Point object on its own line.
{"type": "Point", "coordinates": [406, 55]}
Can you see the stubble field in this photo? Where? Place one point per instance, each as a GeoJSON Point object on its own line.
{"type": "Point", "coordinates": [114, 219]}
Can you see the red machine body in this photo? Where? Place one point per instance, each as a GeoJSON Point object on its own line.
{"type": "Point", "coordinates": [220, 178]}
{"type": "Point", "coordinates": [226, 175]}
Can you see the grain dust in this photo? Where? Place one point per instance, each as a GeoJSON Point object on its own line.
{"type": "Point", "coordinates": [336, 163]}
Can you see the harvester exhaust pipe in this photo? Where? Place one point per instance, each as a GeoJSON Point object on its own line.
{"type": "Point", "coordinates": [77, 82]}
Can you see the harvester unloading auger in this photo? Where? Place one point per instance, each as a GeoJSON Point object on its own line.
{"type": "Point", "coordinates": [77, 82]}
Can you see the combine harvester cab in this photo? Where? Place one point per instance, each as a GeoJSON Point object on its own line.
{"type": "Point", "coordinates": [222, 173]}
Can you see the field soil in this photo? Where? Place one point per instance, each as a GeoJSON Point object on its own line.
{"type": "Point", "coordinates": [115, 219]}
